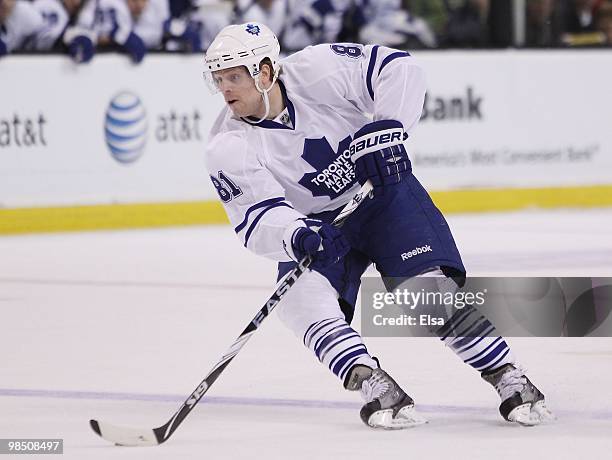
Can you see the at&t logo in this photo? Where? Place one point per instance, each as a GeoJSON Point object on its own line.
{"type": "Point", "coordinates": [125, 127]}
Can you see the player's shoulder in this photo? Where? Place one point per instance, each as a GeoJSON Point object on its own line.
{"type": "Point", "coordinates": [324, 63]}
{"type": "Point", "coordinates": [228, 126]}
{"type": "Point", "coordinates": [326, 53]}
{"type": "Point", "coordinates": [228, 139]}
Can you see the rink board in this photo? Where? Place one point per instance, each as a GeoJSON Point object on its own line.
{"type": "Point", "coordinates": [117, 145]}
{"type": "Point", "coordinates": [143, 215]}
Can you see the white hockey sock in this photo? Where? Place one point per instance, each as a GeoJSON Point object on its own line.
{"type": "Point", "coordinates": [473, 338]}
{"type": "Point", "coordinates": [337, 345]}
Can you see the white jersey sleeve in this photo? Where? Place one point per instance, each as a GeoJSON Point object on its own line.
{"type": "Point", "coordinates": [253, 200]}
{"type": "Point", "coordinates": [56, 19]}
{"type": "Point", "coordinates": [21, 25]}
{"type": "Point", "coordinates": [150, 25]}
{"type": "Point", "coordinates": [380, 81]}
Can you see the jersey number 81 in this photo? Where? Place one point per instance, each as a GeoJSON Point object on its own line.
{"type": "Point", "coordinates": [226, 189]}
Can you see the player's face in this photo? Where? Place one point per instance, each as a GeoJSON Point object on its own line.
{"type": "Point", "coordinates": [239, 91]}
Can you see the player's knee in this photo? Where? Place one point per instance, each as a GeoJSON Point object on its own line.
{"type": "Point", "coordinates": [310, 300]}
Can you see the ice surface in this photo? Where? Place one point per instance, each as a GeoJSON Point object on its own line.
{"type": "Point", "coordinates": [122, 326]}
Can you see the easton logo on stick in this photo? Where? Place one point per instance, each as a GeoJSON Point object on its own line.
{"type": "Point", "coordinates": [197, 394]}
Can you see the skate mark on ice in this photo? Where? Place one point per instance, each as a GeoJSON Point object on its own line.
{"type": "Point", "coordinates": [276, 402]}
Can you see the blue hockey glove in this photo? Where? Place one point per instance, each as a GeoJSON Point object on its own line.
{"type": "Point", "coordinates": [379, 154]}
{"type": "Point", "coordinates": [81, 49]}
{"type": "Point", "coordinates": [3, 48]}
{"type": "Point", "coordinates": [313, 237]}
{"type": "Point", "coordinates": [135, 47]}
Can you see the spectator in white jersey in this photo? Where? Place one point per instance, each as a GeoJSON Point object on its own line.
{"type": "Point", "coordinates": [294, 143]}
{"type": "Point", "coordinates": [57, 14]}
{"type": "Point", "coordinates": [20, 22]}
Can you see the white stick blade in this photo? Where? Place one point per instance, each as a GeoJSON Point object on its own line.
{"type": "Point", "coordinates": [123, 436]}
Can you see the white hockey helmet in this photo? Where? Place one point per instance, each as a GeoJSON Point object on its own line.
{"type": "Point", "coordinates": [242, 45]}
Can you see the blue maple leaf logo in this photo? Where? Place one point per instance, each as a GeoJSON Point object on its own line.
{"type": "Point", "coordinates": [334, 172]}
{"type": "Point", "coordinates": [253, 29]}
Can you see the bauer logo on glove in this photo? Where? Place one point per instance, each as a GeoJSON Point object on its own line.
{"type": "Point", "coordinates": [379, 154]}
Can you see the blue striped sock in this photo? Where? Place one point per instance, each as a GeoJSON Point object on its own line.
{"type": "Point", "coordinates": [337, 345]}
{"type": "Point", "coordinates": [473, 338]}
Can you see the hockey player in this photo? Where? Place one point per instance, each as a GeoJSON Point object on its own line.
{"type": "Point", "coordinates": [296, 139]}
{"type": "Point", "coordinates": [57, 14]}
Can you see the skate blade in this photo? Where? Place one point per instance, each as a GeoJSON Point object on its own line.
{"type": "Point", "coordinates": [407, 417]}
{"type": "Point", "coordinates": [542, 413]}
{"type": "Point", "coordinates": [528, 415]}
{"type": "Point", "coordinates": [522, 415]}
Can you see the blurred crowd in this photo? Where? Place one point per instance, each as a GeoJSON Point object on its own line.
{"type": "Point", "coordinates": [83, 27]}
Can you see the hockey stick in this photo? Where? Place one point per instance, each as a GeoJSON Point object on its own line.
{"type": "Point", "coordinates": [123, 436]}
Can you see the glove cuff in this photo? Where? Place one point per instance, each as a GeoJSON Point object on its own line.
{"type": "Point", "coordinates": [288, 237]}
{"type": "Point", "coordinates": [376, 136]}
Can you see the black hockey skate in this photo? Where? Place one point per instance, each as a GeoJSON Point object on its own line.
{"type": "Point", "coordinates": [522, 402]}
{"type": "Point", "coordinates": [387, 405]}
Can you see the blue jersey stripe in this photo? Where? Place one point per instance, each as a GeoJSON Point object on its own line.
{"type": "Point", "coordinates": [256, 206]}
{"type": "Point", "coordinates": [371, 71]}
{"type": "Point", "coordinates": [258, 218]}
{"type": "Point", "coordinates": [391, 57]}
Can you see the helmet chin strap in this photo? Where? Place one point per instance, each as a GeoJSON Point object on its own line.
{"type": "Point", "coordinates": [264, 96]}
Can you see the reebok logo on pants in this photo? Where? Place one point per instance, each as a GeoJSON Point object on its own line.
{"type": "Point", "coordinates": [416, 252]}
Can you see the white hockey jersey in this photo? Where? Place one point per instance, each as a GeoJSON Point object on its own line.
{"type": "Point", "coordinates": [22, 25]}
{"type": "Point", "coordinates": [56, 19]}
{"type": "Point", "coordinates": [270, 174]}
